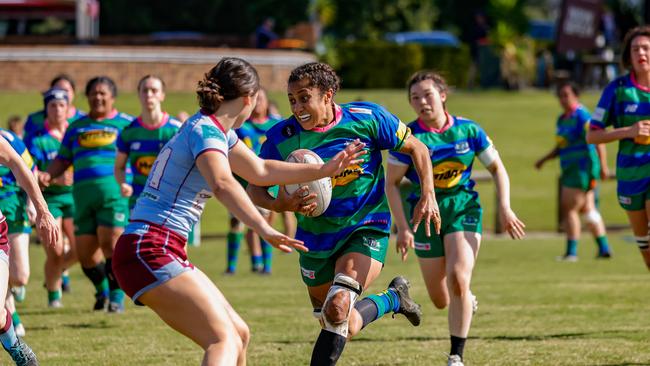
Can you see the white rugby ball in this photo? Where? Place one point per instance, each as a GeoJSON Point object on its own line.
{"type": "Point", "coordinates": [322, 187]}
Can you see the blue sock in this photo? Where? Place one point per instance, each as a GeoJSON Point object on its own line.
{"type": "Point", "coordinates": [603, 245]}
{"type": "Point", "coordinates": [571, 247]}
{"type": "Point", "coordinates": [8, 335]}
{"type": "Point", "coordinates": [267, 255]}
{"type": "Point", "coordinates": [65, 280]}
{"type": "Point", "coordinates": [116, 296]}
{"type": "Point", "coordinates": [256, 262]}
{"type": "Point", "coordinates": [386, 301]}
{"type": "Point", "coordinates": [234, 240]}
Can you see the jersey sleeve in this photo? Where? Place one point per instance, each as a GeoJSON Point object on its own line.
{"type": "Point", "coordinates": [36, 152]}
{"type": "Point", "coordinates": [583, 117]}
{"type": "Point", "coordinates": [390, 131]}
{"type": "Point", "coordinates": [121, 144]}
{"type": "Point", "coordinates": [603, 115]}
{"type": "Point", "coordinates": [207, 137]}
{"type": "Point", "coordinates": [480, 141]}
{"type": "Point", "coordinates": [65, 150]}
{"type": "Point", "coordinates": [397, 158]}
{"type": "Point", "coordinates": [232, 138]}
{"type": "Point", "coordinates": [270, 151]}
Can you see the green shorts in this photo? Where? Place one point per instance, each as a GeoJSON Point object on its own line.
{"type": "Point", "coordinates": [318, 271]}
{"type": "Point", "coordinates": [13, 207]}
{"type": "Point", "coordinates": [633, 202]}
{"type": "Point", "coordinates": [580, 179]}
{"type": "Point", "coordinates": [99, 203]}
{"type": "Point", "coordinates": [460, 211]}
{"type": "Point", "coordinates": [60, 204]}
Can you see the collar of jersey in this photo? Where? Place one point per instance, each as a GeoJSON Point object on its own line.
{"type": "Point", "coordinates": [165, 119]}
{"type": "Point", "coordinates": [215, 120]}
{"type": "Point", "coordinates": [46, 124]}
{"type": "Point", "coordinates": [637, 85]}
{"type": "Point", "coordinates": [338, 115]}
{"type": "Point", "coordinates": [445, 127]}
{"type": "Point", "coordinates": [111, 115]}
{"type": "Point", "coordinates": [574, 108]}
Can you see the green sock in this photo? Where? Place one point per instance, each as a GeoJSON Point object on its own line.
{"type": "Point", "coordinates": [53, 295]}
{"type": "Point", "coordinates": [15, 318]}
{"type": "Point", "coordinates": [233, 241]}
{"type": "Point", "coordinates": [603, 245]}
{"type": "Point", "coordinates": [102, 287]}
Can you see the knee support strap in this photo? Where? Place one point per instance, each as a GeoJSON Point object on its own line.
{"type": "Point", "coordinates": [352, 289]}
{"type": "Point", "coordinates": [592, 217]}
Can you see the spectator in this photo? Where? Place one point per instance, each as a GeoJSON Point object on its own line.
{"type": "Point", "coordinates": [16, 125]}
{"type": "Point", "coordinates": [264, 33]}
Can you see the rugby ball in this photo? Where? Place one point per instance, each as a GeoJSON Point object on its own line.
{"type": "Point", "coordinates": [322, 187]}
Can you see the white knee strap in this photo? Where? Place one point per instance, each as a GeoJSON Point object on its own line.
{"type": "Point", "coordinates": [353, 289]}
{"type": "Point", "coordinates": [593, 217]}
{"type": "Point", "coordinates": [642, 241]}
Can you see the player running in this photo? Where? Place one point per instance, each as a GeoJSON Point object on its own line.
{"type": "Point", "coordinates": [100, 210]}
{"type": "Point", "coordinates": [624, 106]}
{"type": "Point", "coordinates": [142, 140]}
{"type": "Point", "coordinates": [150, 260]}
{"type": "Point", "coordinates": [19, 351]}
{"type": "Point", "coordinates": [35, 123]}
{"type": "Point", "coordinates": [582, 164]}
{"type": "Point", "coordinates": [18, 210]}
{"type": "Point", "coordinates": [348, 242]}
{"type": "Point", "coordinates": [253, 134]}
{"type": "Point", "coordinates": [447, 260]}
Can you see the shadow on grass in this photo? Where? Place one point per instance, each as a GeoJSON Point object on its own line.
{"type": "Point", "coordinates": [541, 337]}
{"type": "Point", "coordinates": [621, 364]}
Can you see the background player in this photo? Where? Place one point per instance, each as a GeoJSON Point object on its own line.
{"type": "Point", "coordinates": [447, 260]}
{"type": "Point", "coordinates": [582, 164]}
{"type": "Point", "coordinates": [100, 212]}
{"type": "Point", "coordinates": [140, 142]}
{"type": "Point", "coordinates": [348, 242]}
{"type": "Point", "coordinates": [623, 106]}
{"type": "Point", "coordinates": [47, 229]}
{"type": "Point", "coordinates": [150, 259]}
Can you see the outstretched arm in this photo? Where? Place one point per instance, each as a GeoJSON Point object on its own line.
{"type": "Point", "coordinates": [601, 136]}
{"type": "Point", "coordinates": [214, 167]}
{"type": "Point", "coordinates": [263, 172]}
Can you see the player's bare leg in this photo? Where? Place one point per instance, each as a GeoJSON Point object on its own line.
{"type": "Point", "coordinates": [435, 278]}
{"type": "Point", "coordinates": [461, 250]}
{"type": "Point", "coordinates": [192, 305]}
{"type": "Point", "coordinates": [595, 223]}
{"type": "Point", "coordinates": [639, 222]}
{"type": "Point", "coordinates": [53, 270]}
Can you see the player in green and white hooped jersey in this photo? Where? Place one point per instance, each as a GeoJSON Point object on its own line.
{"type": "Point", "coordinates": [347, 243]}
{"type": "Point", "coordinates": [582, 165]}
{"type": "Point", "coordinates": [47, 229]}
{"type": "Point", "coordinates": [89, 145]}
{"type": "Point", "coordinates": [625, 107]}
{"type": "Point", "coordinates": [447, 260]}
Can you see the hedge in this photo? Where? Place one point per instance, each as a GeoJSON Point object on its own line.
{"type": "Point", "coordinates": [374, 64]}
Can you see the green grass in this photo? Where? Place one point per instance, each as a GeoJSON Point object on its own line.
{"type": "Point", "coordinates": [533, 311]}
{"type": "Point", "coordinates": [521, 125]}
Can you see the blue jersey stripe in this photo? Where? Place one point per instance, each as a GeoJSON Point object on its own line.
{"type": "Point", "coordinates": [327, 241]}
{"type": "Point", "coordinates": [94, 172]}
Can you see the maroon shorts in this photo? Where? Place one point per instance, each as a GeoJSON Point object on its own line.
{"type": "Point", "coordinates": [4, 241]}
{"type": "Point", "coordinates": [148, 255]}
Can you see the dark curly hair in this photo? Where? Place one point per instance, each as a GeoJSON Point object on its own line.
{"type": "Point", "coordinates": [438, 81]}
{"type": "Point", "coordinates": [229, 79]}
{"type": "Point", "coordinates": [319, 74]}
{"type": "Point", "coordinates": [101, 80]}
{"type": "Point", "coordinates": [626, 54]}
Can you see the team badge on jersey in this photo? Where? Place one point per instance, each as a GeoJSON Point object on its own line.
{"type": "Point", "coordinates": [308, 273]}
{"type": "Point", "coordinates": [448, 174]}
{"type": "Point", "coordinates": [144, 164]}
{"type": "Point", "coordinates": [422, 246]}
{"type": "Point", "coordinates": [348, 175]}
{"type": "Point", "coordinates": [288, 131]}
{"type": "Point", "coordinates": [97, 138]}
{"type": "Point", "coordinates": [461, 147]}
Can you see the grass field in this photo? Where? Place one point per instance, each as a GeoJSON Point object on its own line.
{"type": "Point", "coordinates": [533, 311]}
{"type": "Point", "coordinates": [521, 124]}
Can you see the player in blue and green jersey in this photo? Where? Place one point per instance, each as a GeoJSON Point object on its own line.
{"type": "Point", "coordinates": [447, 259]}
{"type": "Point", "coordinates": [347, 243]}
{"type": "Point", "coordinates": [623, 115]}
{"type": "Point", "coordinates": [252, 133]}
{"type": "Point", "coordinates": [582, 165]}
{"type": "Point", "coordinates": [100, 210]}
{"type": "Point", "coordinates": [14, 163]}
{"type": "Point", "coordinates": [35, 122]}
{"type": "Point", "coordinates": [15, 206]}
{"type": "Point", "coordinates": [58, 195]}
{"type": "Point", "coordinates": [140, 142]}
